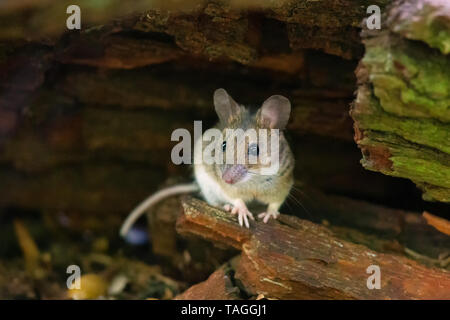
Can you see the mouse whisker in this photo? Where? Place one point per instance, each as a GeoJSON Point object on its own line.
{"type": "Point", "coordinates": [290, 207]}
{"type": "Point", "coordinates": [257, 174]}
{"type": "Point", "coordinates": [301, 192]}
{"type": "Point", "coordinates": [291, 196]}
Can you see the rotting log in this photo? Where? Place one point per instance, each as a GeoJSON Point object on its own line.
{"type": "Point", "coordinates": [402, 109]}
{"type": "Point", "coordinates": [379, 228]}
{"type": "Point", "coordinates": [194, 25]}
{"type": "Point", "coordinates": [297, 259]}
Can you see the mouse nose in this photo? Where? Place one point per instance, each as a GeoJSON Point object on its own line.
{"type": "Point", "coordinates": [228, 180]}
{"type": "Point", "coordinates": [234, 173]}
{"type": "Point", "coordinates": [227, 176]}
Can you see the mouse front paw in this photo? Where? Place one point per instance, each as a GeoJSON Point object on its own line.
{"type": "Point", "coordinates": [266, 215]}
{"type": "Point", "coordinates": [239, 208]}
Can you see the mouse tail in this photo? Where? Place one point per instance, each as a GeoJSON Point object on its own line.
{"type": "Point", "coordinates": [153, 199]}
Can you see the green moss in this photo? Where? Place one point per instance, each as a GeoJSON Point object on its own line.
{"type": "Point", "coordinates": [432, 193]}
{"type": "Point", "coordinates": [409, 78]}
{"type": "Point", "coordinates": [404, 110]}
{"type": "Point", "coordinates": [427, 21]}
{"type": "Point", "coordinates": [422, 170]}
{"type": "Point", "coordinates": [427, 167]}
{"type": "Point", "coordinates": [427, 132]}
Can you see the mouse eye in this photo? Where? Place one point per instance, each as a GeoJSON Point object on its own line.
{"type": "Point", "coordinates": [253, 149]}
{"type": "Point", "coordinates": [224, 146]}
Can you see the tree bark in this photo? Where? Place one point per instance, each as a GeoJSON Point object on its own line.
{"type": "Point", "coordinates": [402, 109]}
{"type": "Point", "coordinates": [297, 259]}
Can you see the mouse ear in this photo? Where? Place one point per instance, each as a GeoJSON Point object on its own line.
{"type": "Point", "coordinates": [226, 107]}
{"type": "Point", "coordinates": [274, 113]}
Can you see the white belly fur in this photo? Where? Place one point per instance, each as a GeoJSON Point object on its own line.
{"type": "Point", "coordinates": [209, 187]}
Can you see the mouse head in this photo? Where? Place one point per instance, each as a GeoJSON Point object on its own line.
{"type": "Point", "coordinates": [249, 145]}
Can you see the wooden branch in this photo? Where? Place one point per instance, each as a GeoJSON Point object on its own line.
{"type": "Point", "coordinates": [297, 259]}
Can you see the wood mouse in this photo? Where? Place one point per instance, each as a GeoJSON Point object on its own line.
{"type": "Point", "coordinates": [233, 186]}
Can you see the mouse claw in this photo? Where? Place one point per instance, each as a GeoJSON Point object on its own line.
{"type": "Point", "coordinates": [266, 215]}
{"type": "Point", "coordinates": [243, 216]}
{"type": "Point", "coordinates": [241, 210]}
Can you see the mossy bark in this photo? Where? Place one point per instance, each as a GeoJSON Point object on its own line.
{"type": "Point", "coordinates": [402, 109]}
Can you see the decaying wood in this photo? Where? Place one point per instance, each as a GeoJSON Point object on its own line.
{"type": "Point", "coordinates": [377, 227]}
{"type": "Point", "coordinates": [194, 25]}
{"type": "Point", "coordinates": [218, 286]}
{"type": "Point", "coordinates": [402, 109]}
{"type": "Point", "coordinates": [297, 259]}
{"type": "Point", "coordinates": [440, 224]}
